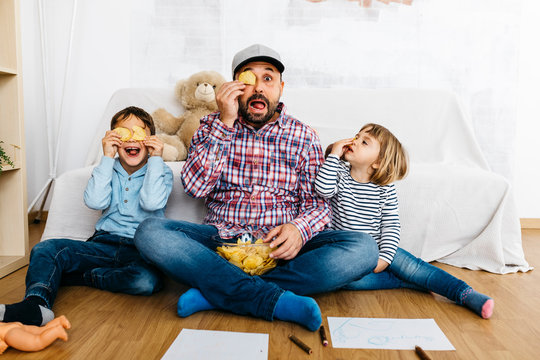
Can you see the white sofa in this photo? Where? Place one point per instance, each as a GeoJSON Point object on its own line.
{"type": "Point", "coordinates": [452, 208]}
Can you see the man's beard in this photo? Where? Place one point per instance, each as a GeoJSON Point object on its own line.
{"type": "Point", "coordinates": [257, 120]}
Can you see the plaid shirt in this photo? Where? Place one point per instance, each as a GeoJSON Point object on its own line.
{"type": "Point", "coordinates": [255, 180]}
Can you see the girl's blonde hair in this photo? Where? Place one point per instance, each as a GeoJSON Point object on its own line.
{"type": "Point", "coordinates": [393, 161]}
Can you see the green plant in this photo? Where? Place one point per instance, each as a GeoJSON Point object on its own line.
{"type": "Point", "coordinates": [4, 158]}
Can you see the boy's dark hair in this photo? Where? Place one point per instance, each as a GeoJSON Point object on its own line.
{"type": "Point", "coordinates": [139, 113]}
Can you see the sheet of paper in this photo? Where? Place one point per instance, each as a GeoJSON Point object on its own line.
{"type": "Point", "coordinates": [396, 334]}
{"type": "Point", "coordinates": [217, 345]}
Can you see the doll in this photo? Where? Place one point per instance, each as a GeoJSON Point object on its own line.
{"type": "Point", "coordinates": [32, 338]}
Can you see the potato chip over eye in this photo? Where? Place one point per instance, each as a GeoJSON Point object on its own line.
{"type": "Point", "coordinates": [138, 133]}
{"type": "Point", "coordinates": [247, 77]}
{"type": "Point", "coordinates": [125, 133]}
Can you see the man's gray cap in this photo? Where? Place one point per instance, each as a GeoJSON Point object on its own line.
{"type": "Point", "coordinates": [256, 52]}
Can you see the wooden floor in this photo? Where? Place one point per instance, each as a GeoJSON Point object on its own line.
{"type": "Point", "coordinates": [116, 326]}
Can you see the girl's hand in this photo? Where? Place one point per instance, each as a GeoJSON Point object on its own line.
{"type": "Point", "coordinates": [339, 147]}
{"type": "Point", "coordinates": [381, 266]}
{"type": "Point", "coordinates": [227, 101]}
{"type": "Point", "coordinates": [154, 145]}
{"type": "Point", "coordinates": [111, 142]}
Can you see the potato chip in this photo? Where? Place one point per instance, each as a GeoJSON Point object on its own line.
{"type": "Point", "coordinates": [252, 258]}
{"type": "Point", "coordinates": [125, 133]}
{"type": "Point", "coordinates": [138, 133]}
{"type": "Point", "coordinates": [252, 261]}
{"type": "Point", "coordinates": [247, 77]}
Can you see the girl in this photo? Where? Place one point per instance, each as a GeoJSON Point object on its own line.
{"type": "Point", "coordinates": [363, 198]}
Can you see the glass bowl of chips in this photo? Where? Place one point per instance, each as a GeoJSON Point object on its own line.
{"type": "Point", "coordinates": [249, 254]}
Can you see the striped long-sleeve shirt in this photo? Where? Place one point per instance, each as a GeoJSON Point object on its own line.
{"type": "Point", "coordinates": [358, 206]}
{"type": "Point", "coordinates": [254, 180]}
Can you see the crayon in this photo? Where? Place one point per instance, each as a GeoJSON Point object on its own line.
{"type": "Point", "coordinates": [323, 336]}
{"type": "Point", "coordinates": [300, 344]}
{"type": "Point", "coordinates": [421, 353]}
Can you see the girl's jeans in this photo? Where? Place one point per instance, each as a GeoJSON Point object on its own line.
{"type": "Point", "coordinates": [186, 252]}
{"type": "Point", "coordinates": [409, 271]}
{"type": "Point", "coordinates": [105, 261]}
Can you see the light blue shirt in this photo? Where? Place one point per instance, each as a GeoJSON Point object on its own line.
{"type": "Point", "coordinates": [126, 200]}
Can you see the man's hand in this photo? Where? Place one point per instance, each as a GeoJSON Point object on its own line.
{"type": "Point", "coordinates": [111, 142]}
{"type": "Point", "coordinates": [154, 145]}
{"type": "Point", "coordinates": [289, 240]}
{"type": "Point", "coordinates": [381, 266]}
{"type": "Point", "coordinates": [227, 101]}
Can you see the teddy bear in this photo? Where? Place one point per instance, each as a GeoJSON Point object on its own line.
{"type": "Point", "coordinates": [197, 94]}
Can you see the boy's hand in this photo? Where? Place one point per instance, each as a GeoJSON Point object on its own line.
{"type": "Point", "coordinates": [154, 145]}
{"type": "Point", "coordinates": [110, 142]}
{"type": "Point", "coordinates": [381, 266]}
{"type": "Point", "coordinates": [338, 148]}
{"type": "Point", "coordinates": [227, 101]}
{"type": "Point", "coordinates": [289, 240]}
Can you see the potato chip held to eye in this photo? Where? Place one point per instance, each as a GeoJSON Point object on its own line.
{"type": "Point", "coordinates": [138, 133]}
{"type": "Point", "coordinates": [125, 133]}
{"type": "Point", "coordinates": [247, 77]}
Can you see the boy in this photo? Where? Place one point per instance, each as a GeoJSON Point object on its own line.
{"type": "Point", "coordinates": [128, 189]}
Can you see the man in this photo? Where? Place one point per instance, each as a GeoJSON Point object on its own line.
{"type": "Point", "coordinates": [256, 166]}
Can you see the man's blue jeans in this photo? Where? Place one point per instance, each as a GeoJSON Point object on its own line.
{"type": "Point", "coordinates": [408, 271]}
{"type": "Point", "coordinates": [186, 252]}
{"type": "Point", "coordinates": [105, 261]}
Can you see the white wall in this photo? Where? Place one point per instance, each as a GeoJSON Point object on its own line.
{"type": "Point", "coordinates": [99, 65]}
{"type": "Point", "coordinates": [109, 53]}
{"type": "Point", "coordinates": [527, 178]}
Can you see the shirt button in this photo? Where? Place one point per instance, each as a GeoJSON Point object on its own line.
{"type": "Point", "coordinates": [125, 201]}
{"type": "Point", "coordinates": [129, 178]}
{"type": "Point", "coordinates": [127, 189]}
{"type": "Point", "coordinates": [253, 198]}
{"type": "Point", "coordinates": [255, 162]}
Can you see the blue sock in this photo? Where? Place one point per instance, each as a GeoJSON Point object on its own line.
{"type": "Point", "coordinates": [479, 303]}
{"type": "Point", "coordinates": [192, 301]}
{"type": "Point", "coordinates": [299, 309]}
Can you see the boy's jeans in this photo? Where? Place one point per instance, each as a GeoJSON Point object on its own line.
{"type": "Point", "coordinates": [105, 261]}
{"type": "Point", "coordinates": [409, 271]}
{"type": "Point", "coordinates": [186, 252]}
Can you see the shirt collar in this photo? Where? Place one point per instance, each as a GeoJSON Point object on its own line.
{"type": "Point", "coordinates": [120, 169]}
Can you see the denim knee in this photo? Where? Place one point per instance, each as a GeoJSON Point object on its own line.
{"type": "Point", "coordinates": [364, 244]}
{"type": "Point", "coordinates": [47, 247]}
{"type": "Point", "coordinates": [146, 284]}
{"type": "Point", "coordinates": [145, 233]}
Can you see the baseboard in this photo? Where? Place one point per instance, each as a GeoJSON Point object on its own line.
{"type": "Point", "coordinates": [530, 223]}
